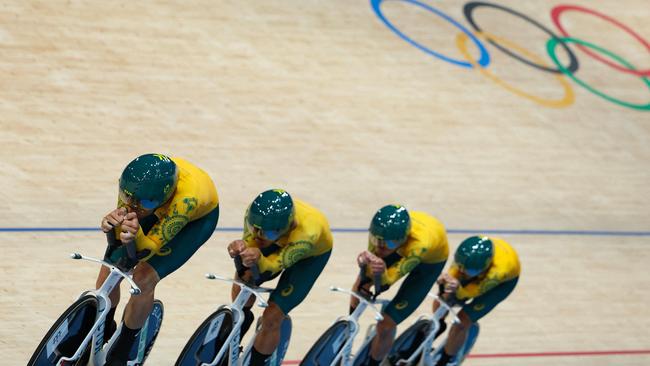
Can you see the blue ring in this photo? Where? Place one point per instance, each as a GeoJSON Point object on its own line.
{"type": "Point", "coordinates": [485, 56]}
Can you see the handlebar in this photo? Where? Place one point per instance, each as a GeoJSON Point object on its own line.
{"type": "Point", "coordinates": [361, 298]}
{"type": "Point", "coordinates": [134, 290]}
{"type": "Point", "coordinates": [131, 250]}
{"type": "Point", "coordinates": [239, 266]}
{"type": "Point", "coordinates": [255, 290]}
{"type": "Point", "coordinates": [446, 306]}
{"type": "Point", "coordinates": [376, 280]}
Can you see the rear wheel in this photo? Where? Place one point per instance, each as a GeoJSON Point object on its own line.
{"type": "Point", "coordinates": [465, 349]}
{"type": "Point", "coordinates": [280, 351]}
{"type": "Point", "coordinates": [143, 345]}
{"type": "Point", "coordinates": [285, 336]}
{"type": "Point", "coordinates": [207, 340]}
{"type": "Point", "coordinates": [472, 335]}
{"type": "Point", "coordinates": [65, 336]}
{"type": "Point", "coordinates": [328, 345]}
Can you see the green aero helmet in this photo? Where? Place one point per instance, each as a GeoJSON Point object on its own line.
{"type": "Point", "coordinates": [474, 255]}
{"type": "Point", "coordinates": [271, 214]}
{"type": "Point", "coordinates": [148, 181]}
{"type": "Point", "coordinates": [392, 224]}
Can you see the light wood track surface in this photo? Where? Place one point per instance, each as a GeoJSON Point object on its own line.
{"type": "Point", "coordinates": [324, 100]}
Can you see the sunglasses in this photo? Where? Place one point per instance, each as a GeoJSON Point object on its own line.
{"type": "Point", "coordinates": [134, 203]}
{"type": "Point", "coordinates": [469, 272]}
{"type": "Point", "coordinates": [381, 242]}
{"type": "Point", "coordinates": [270, 235]}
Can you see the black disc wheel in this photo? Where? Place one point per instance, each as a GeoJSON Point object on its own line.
{"type": "Point", "coordinates": [65, 336]}
{"type": "Point", "coordinates": [142, 346]}
{"type": "Point", "coordinates": [409, 341]}
{"type": "Point", "coordinates": [328, 345]}
{"type": "Point", "coordinates": [207, 340]}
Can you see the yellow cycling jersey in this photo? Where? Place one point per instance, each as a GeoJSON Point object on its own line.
{"type": "Point", "coordinates": [195, 196]}
{"type": "Point", "coordinates": [505, 267]}
{"type": "Point", "coordinates": [310, 237]}
{"type": "Point", "coordinates": [426, 243]}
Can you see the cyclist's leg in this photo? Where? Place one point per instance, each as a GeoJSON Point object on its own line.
{"type": "Point", "coordinates": [178, 251]}
{"type": "Point", "coordinates": [147, 275]}
{"type": "Point", "coordinates": [138, 308]}
{"type": "Point", "coordinates": [474, 311]}
{"type": "Point", "coordinates": [411, 293]}
{"type": "Point", "coordinates": [183, 246]}
{"type": "Point", "coordinates": [293, 286]}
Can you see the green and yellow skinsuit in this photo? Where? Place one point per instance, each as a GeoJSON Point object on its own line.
{"type": "Point", "coordinates": [298, 256]}
{"type": "Point", "coordinates": [420, 259]}
{"type": "Point", "coordinates": [174, 231]}
{"type": "Point", "coordinates": [491, 287]}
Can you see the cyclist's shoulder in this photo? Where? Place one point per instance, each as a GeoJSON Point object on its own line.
{"type": "Point", "coordinates": [505, 261]}
{"type": "Point", "coordinates": [426, 232]}
{"type": "Point", "coordinates": [309, 220]}
{"type": "Point", "coordinates": [424, 221]}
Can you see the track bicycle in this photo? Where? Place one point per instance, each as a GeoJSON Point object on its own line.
{"type": "Point", "coordinates": [217, 340]}
{"type": "Point", "coordinates": [78, 336]}
{"type": "Point", "coordinates": [334, 347]}
{"type": "Point", "coordinates": [414, 347]}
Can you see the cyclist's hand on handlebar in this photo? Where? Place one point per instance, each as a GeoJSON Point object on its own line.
{"type": "Point", "coordinates": [362, 258]}
{"type": "Point", "coordinates": [250, 256]}
{"type": "Point", "coordinates": [236, 247]}
{"type": "Point", "coordinates": [377, 265]}
{"type": "Point", "coordinates": [113, 219]}
{"type": "Point", "coordinates": [449, 282]}
{"type": "Point", "coordinates": [130, 227]}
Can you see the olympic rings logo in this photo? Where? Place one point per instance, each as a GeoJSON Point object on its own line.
{"type": "Point", "coordinates": [478, 37]}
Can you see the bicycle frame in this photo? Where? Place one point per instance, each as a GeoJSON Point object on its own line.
{"type": "Point", "coordinates": [426, 345]}
{"type": "Point", "coordinates": [96, 334]}
{"type": "Point", "coordinates": [345, 354]}
{"type": "Point", "coordinates": [233, 340]}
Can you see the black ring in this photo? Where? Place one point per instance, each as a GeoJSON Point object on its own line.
{"type": "Point", "coordinates": [468, 10]}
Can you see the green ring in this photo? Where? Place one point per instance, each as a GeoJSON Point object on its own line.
{"type": "Point", "coordinates": [550, 48]}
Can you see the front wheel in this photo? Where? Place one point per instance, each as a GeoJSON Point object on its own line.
{"type": "Point", "coordinates": [328, 345]}
{"type": "Point", "coordinates": [65, 336]}
{"type": "Point", "coordinates": [207, 340]}
{"type": "Point", "coordinates": [409, 341]}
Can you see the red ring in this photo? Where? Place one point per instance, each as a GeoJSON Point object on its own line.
{"type": "Point", "coordinates": [555, 16]}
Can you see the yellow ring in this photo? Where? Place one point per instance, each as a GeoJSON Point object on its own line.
{"type": "Point", "coordinates": [287, 291]}
{"type": "Point", "coordinates": [569, 97]}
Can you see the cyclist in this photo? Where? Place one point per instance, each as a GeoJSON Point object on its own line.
{"type": "Point", "coordinates": [400, 244]}
{"type": "Point", "coordinates": [286, 237]}
{"type": "Point", "coordinates": [485, 270]}
{"type": "Point", "coordinates": [166, 208]}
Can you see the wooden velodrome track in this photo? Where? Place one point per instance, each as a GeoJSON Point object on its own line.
{"type": "Point", "coordinates": [323, 99]}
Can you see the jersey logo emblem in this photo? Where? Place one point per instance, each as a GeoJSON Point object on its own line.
{"type": "Point", "coordinates": [287, 291]}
